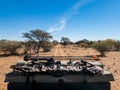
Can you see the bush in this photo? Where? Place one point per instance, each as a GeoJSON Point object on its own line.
{"type": "Point", "coordinates": [84, 45]}
{"type": "Point", "coordinates": [103, 46]}
{"type": "Point", "coordinates": [29, 46]}
{"type": "Point", "coordinates": [47, 46]}
{"type": "Point", "coordinates": [55, 42]}
{"type": "Point", "coordinates": [9, 47]}
{"type": "Point", "coordinates": [117, 45]}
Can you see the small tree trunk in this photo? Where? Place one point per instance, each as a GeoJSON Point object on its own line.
{"type": "Point", "coordinates": [102, 53]}
{"type": "Point", "coordinates": [38, 50]}
{"type": "Point", "coordinates": [39, 45]}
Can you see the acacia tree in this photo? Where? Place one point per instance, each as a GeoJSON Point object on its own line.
{"type": "Point", "coordinates": [37, 36]}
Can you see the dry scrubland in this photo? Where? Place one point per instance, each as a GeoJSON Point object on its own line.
{"type": "Point", "coordinates": [112, 61]}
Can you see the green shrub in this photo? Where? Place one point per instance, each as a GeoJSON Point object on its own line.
{"type": "Point", "coordinates": [9, 47]}
{"type": "Point", "coordinates": [103, 46]}
{"type": "Point", "coordinates": [47, 46]}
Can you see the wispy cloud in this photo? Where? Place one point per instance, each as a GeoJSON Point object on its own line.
{"type": "Point", "coordinates": [61, 25]}
{"type": "Point", "coordinates": [78, 4]}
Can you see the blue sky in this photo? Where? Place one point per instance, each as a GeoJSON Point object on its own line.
{"type": "Point", "coordinates": [75, 19]}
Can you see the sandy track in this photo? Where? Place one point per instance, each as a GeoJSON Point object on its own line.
{"type": "Point", "coordinates": [58, 51]}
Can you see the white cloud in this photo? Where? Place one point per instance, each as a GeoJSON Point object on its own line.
{"type": "Point", "coordinates": [77, 5]}
{"type": "Point", "coordinates": [61, 25]}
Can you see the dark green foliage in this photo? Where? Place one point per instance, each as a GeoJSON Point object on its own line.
{"type": "Point", "coordinates": [84, 43]}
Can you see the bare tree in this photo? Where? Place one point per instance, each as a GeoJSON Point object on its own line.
{"type": "Point", "coordinates": [37, 36]}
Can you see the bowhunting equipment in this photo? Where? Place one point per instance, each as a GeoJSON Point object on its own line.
{"type": "Point", "coordinates": [57, 70]}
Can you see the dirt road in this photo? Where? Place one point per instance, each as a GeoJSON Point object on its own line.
{"type": "Point", "coordinates": [58, 51]}
{"type": "Point", "coordinates": [112, 61]}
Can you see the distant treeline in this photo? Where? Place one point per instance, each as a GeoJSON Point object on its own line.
{"type": "Point", "coordinates": [101, 45]}
{"type": "Point", "coordinates": [37, 39]}
{"type": "Point", "coordinates": [8, 47]}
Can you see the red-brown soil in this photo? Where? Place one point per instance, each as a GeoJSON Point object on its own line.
{"type": "Point", "coordinates": [112, 61]}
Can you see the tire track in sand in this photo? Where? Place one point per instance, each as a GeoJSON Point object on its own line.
{"type": "Point", "coordinates": [58, 51]}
